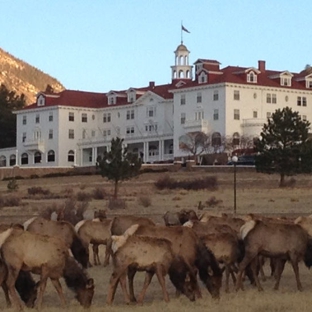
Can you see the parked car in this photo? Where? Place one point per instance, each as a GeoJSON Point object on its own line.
{"type": "Point", "coordinates": [245, 160]}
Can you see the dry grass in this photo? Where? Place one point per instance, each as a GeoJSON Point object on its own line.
{"type": "Point", "coordinates": [257, 193]}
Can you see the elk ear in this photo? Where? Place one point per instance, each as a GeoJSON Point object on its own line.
{"type": "Point", "coordinates": [90, 283]}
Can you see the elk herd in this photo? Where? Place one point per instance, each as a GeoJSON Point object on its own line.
{"type": "Point", "coordinates": [190, 249]}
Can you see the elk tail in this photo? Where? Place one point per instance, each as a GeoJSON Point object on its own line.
{"type": "Point", "coordinates": [308, 254]}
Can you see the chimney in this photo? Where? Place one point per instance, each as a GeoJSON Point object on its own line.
{"type": "Point", "coordinates": [261, 66]}
{"type": "Point", "coordinates": [152, 84]}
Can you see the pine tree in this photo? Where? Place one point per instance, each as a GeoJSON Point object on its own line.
{"type": "Point", "coordinates": [118, 165]}
{"type": "Point", "coordinates": [283, 146]}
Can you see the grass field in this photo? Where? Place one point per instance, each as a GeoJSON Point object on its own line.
{"type": "Point", "coordinates": [256, 193]}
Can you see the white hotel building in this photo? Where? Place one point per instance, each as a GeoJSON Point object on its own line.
{"type": "Point", "coordinates": [72, 128]}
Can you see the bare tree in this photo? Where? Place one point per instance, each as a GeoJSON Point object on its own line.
{"type": "Point", "coordinates": [195, 143]}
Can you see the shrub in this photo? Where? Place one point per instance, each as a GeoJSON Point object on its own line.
{"type": "Point", "coordinates": [83, 196]}
{"type": "Point", "coordinates": [38, 190]}
{"type": "Point", "coordinates": [12, 201]}
{"type": "Point", "coordinates": [116, 203]}
{"type": "Point", "coordinates": [99, 193]}
{"type": "Point", "coordinates": [144, 201]}
{"type": "Point", "coordinates": [12, 185]}
{"type": "Point", "coordinates": [197, 184]}
{"type": "Point", "coordinates": [212, 201]}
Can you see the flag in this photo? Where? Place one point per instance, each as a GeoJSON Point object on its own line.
{"type": "Point", "coordinates": [183, 28]}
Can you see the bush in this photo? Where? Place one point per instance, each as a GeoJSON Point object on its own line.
{"type": "Point", "coordinates": [99, 193]}
{"type": "Point", "coordinates": [38, 190]}
{"type": "Point", "coordinates": [116, 203]}
{"type": "Point", "coordinates": [212, 201]}
{"type": "Point", "coordinates": [197, 184]}
{"type": "Point", "coordinates": [83, 196]}
{"type": "Point", "coordinates": [12, 201]}
{"type": "Point", "coordinates": [12, 185]}
{"type": "Point", "coordinates": [144, 201]}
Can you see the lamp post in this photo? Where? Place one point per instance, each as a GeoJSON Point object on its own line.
{"type": "Point", "coordinates": [234, 160]}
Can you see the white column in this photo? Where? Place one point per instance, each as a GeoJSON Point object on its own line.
{"type": "Point", "coordinates": [161, 150]}
{"type": "Point", "coordinates": [16, 155]}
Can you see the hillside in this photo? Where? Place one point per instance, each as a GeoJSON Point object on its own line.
{"type": "Point", "coordinates": [21, 77]}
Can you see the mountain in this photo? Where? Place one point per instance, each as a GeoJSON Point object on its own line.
{"type": "Point", "coordinates": [20, 77]}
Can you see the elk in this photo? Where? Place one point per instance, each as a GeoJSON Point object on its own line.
{"type": "Point", "coordinates": [49, 259]}
{"type": "Point", "coordinates": [276, 240]}
{"type": "Point", "coordinates": [63, 230]}
{"type": "Point", "coordinates": [180, 217]}
{"type": "Point", "coordinates": [149, 254]}
{"type": "Point", "coordinates": [95, 232]}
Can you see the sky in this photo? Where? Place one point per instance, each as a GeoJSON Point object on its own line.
{"type": "Point", "coordinates": [103, 45]}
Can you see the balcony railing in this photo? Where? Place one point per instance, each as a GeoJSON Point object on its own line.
{"type": "Point", "coordinates": [35, 145]}
{"type": "Point", "coordinates": [254, 122]}
{"type": "Point", "coordinates": [196, 125]}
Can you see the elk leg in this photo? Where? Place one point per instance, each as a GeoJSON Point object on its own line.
{"type": "Point", "coordinates": [131, 274]}
{"type": "Point", "coordinates": [147, 281]}
{"type": "Point", "coordinates": [6, 294]}
{"type": "Point", "coordinates": [161, 279]}
{"type": "Point", "coordinates": [227, 277]}
{"type": "Point", "coordinates": [57, 285]}
{"type": "Point", "coordinates": [249, 256]}
{"type": "Point", "coordinates": [96, 258]}
{"type": "Point", "coordinates": [261, 264]}
{"type": "Point", "coordinates": [294, 264]}
{"type": "Point", "coordinates": [278, 270]}
{"type": "Point", "coordinates": [42, 286]}
{"type": "Point", "coordinates": [113, 282]}
{"type": "Point", "coordinates": [254, 267]}
{"type": "Point", "coordinates": [10, 282]}
{"type": "Point", "coordinates": [108, 251]}
{"type": "Point", "coordinates": [123, 285]}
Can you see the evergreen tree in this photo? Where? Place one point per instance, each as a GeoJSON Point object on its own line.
{"type": "Point", "coordinates": [9, 102]}
{"type": "Point", "coordinates": [283, 146]}
{"type": "Point", "coordinates": [118, 165]}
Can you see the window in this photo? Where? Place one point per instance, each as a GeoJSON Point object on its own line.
{"type": "Point", "coordinates": [24, 137]}
{"type": "Point", "coordinates": [71, 156]}
{"type": "Point", "coordinates": [24, 159]}
{"type": "Point", "coordinates": [151, 112]}
{"type": "Point", "coordinates": [71, 134]}
{"type": "Point", "coordinates": [37, 119]}
{"type": "Point", "coordinates": [51, 156]}
{"type": "Point", "coordinates": [37, 158]}
{"type": "Point", "coordinates": [254, 114]}
{"type": "Point", "coordinates": [106, 117]}
{"type": "Point", "coordinates": [236, 114]}
{"type": "Point", "coordinates": [271, 98]}
{"type": "Point", "coordinates": [236, 95]}
{"type": "Point", "coordinates": [118, 131]}
{"type": "Point", "coordinates": [216, 139]}
{"type": "Point", "coordinates": [112, 100]}
{"type": "Point", "coordinates": [24, 120]}
{"type": "Point", "coordinates": [215, 95]}
{"type": "Point", "coordinates": [199, 115]}
{"type": "Point", "coordinates": [84, 118]}
{"type": "Point", "coordinates": [235, 141]}
{"type": "Point", "coordinates": [182, 100]}
{"type": "Point", "coordinates": [130, 114]}
{"type": "Point", "coordinates": [106, 133]}
{"type": "Point", "coordinates": [252, 77]}
{"type": "Point", "coordinates": [183, 117]}
{"type": "Point", "coordinates": [93, 133]}
{"type": "Point", "coordinates": [309, 84]}
{"type": "Point", "coordinates": [50, 116]}
{"type": "Point", "coordinates": [2, 161]}
{"type": "Point", "coordinates": [50, 134]}
{"type": "Point", "coordinates": [301, 101]}
{"type": "Point", "coordinates": [199, 97]}
{"type": "Point", "coordinates": [12, 160]}
{"type": "Point", "coordinates": [71, 116]}
{"type": "Point", "coordinates": [286, 81]}
{"type": "Point", "coordinates": [304, 117]}
{"type": "Point", "coordinates": [202, 78]}
{"type": "Point", "coordinates": [84, 133]}
{"type": "Point", "coordinates": [215, 114]}
{"type": "Point", "coordinates": [130, 131]}
{"type": "Point", "coordinates": [151, 128]}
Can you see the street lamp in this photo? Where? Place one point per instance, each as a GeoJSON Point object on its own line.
{"type": "Point", "coordinates": [234, 160]}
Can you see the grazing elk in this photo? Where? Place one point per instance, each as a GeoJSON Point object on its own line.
{"type": "Point", "coordinates": [47, 256]}
{"type": "Point", "coordinates": [281, 241]}
{"type": "Point", "coordinates": [196, 255]}
{"type": "Point", "coordinates": [95, 232]}
{"type": "Point", "coordinates": [180, 217]}
{"type": "Point", "coordinates": [64, 231]}
{"type": "Point", "coordinates": [149, 254]}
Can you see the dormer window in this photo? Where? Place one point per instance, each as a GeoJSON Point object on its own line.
{"type": "Point", "coordinates": [251, 77]}
{"type": "Point", "coordinates": [202, 78]}
{"type": "Point", "coordinates": [131, 95]}
{"type": "Point", "coordinates": [309, 83]}
{"type": "Point", "coordinates": [41, 100]}
{"type": "Point", "coordinates": [112, 100]}
{"type": "Point", "coordinates": [199, 67]}
{"type": "Point", "coordinates": [286, 81]}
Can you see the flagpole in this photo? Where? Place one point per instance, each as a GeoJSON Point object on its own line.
{"type": "Point", "coordinates": [181, 33]}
